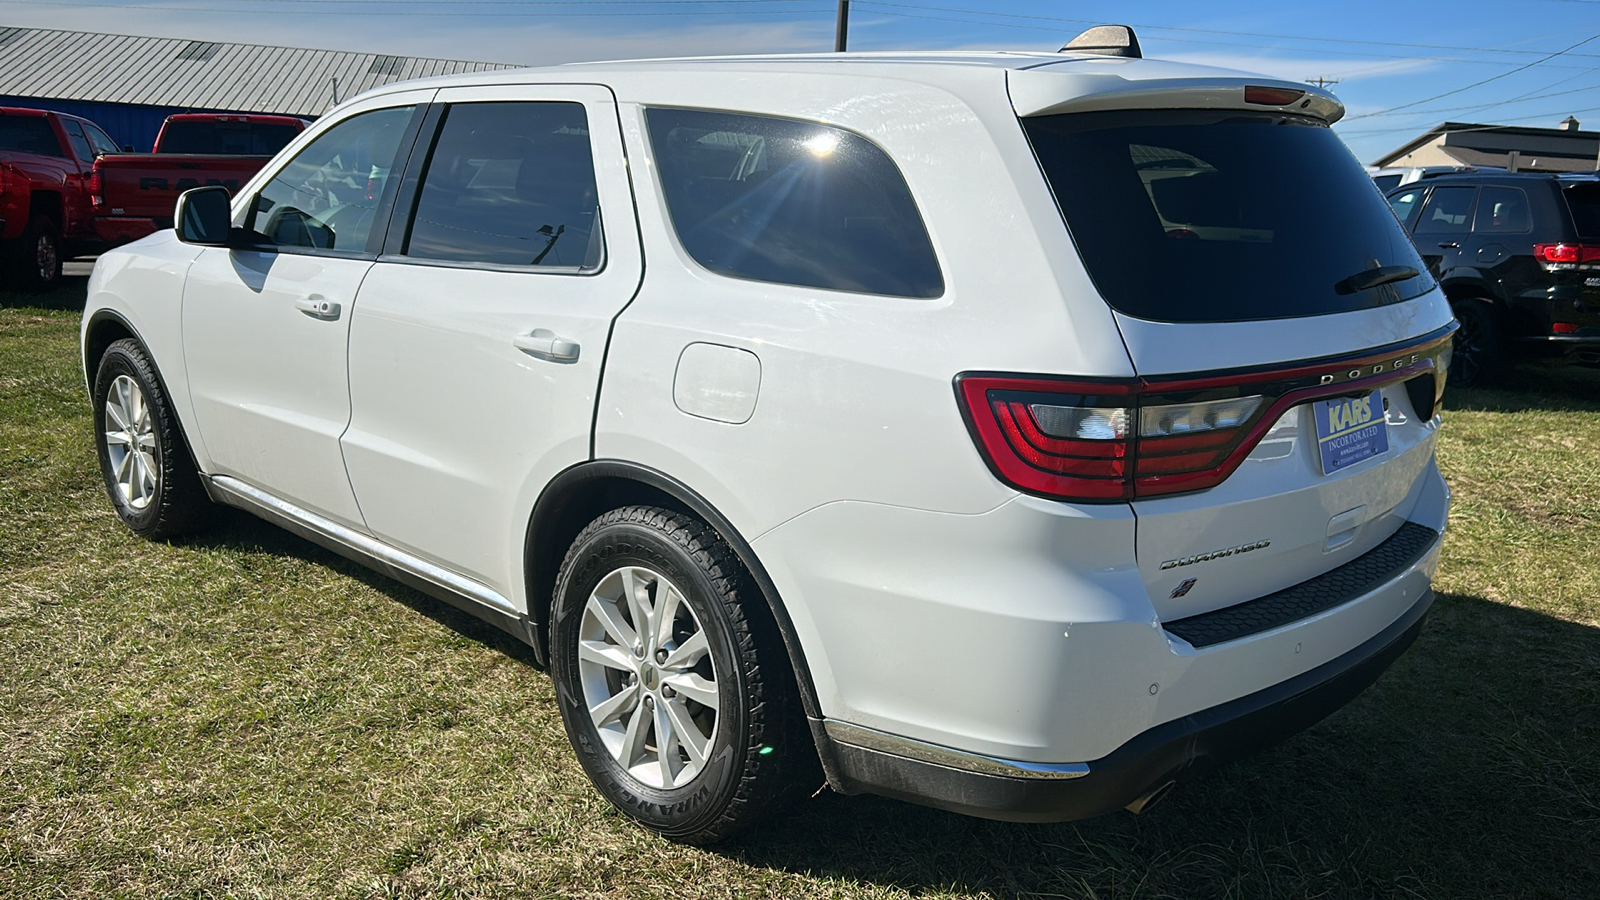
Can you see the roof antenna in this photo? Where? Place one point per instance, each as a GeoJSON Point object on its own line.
{"type": "Point", "coordinates": [1106, 40]}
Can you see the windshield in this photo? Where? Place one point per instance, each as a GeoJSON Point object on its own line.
{"type": "Point", "coordinates": [226, 138]}
{"type": "Point", "coordinates": [1221, 216]}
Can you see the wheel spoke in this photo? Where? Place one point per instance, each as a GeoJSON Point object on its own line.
{"type": "Point", "coordinates": [114, 413]}
{"type": "Point", "coordinates": [605, 712]}
{"type": "Point", "coordinates": [123, 467]}
{"type": "Point", "coordinates": [638, 605]}
{"type": "Point", "coordinates": [667, 601]}
{"type": "Point", "coordinates": [687, 732]}
{"type": "Point", "coordinates": [611, 620]}
{"type": "Point", "coordinates": [608, 655]}
{"type": "Point", "coordinates": [119, 439]}
{"type": "Point", "coordinates": [689, 652]}
{"type": "Point", "coordinates": [633, 738]}
{"type": "Point", "coordinates": [666, 747]}
{"type": "Point", "coordinates": [694, 686]}
{"type": "Point", "coordinates": [147, 466]}
{"type": "Point", "coordinates": [147, 440]}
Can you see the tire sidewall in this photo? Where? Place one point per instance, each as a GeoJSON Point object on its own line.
{"type": "Point", "coordinates": [117, 361]}
{"type": "Point", "coordinates": [677, 811]}
{"type": "Point", "coordinates": [26, 261]}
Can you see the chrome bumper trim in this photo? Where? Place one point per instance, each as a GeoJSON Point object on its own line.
{"type": "Point", "coordinates": [895, 745]}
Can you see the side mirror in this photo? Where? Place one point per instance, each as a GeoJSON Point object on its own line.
{"type": "Point", "coordinates": [127, 148]}
{"type": "Point", "coordinates": [204, 216]}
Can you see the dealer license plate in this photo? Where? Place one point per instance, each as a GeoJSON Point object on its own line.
{"type": "Point", "coordinates": [1350, 429]}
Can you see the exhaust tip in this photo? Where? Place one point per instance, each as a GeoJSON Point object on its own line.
{"type": "Point", "coordinates": [1150, 798]}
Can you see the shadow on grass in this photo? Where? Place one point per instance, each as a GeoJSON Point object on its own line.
{"type": "Point", "coordinates": [237, 530]}
{"type": "Point", "coordinates": [1545, 387]}
{"type": "Point", "coordinates": [70, 293]}
{"type": "Point", "coordinates": [1469, 770]}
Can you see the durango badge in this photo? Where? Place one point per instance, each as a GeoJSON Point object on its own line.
{"type": "Point", "coordinates": [1215, 554]}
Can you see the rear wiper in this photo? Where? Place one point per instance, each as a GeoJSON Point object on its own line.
{"type": "Point", "coordinates": [1371, 278]}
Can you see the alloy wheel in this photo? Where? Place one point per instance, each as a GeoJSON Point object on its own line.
{"type": "Point", "coordinates": [130, 437]}
{"type": "Point", "coordinates": [647, 677]}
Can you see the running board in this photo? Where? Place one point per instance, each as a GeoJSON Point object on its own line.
{"type": "Point", "coordinates": [463, 593]}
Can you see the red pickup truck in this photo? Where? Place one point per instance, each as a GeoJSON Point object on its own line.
{"type": "Point", "coordinates": [45, 209]}
{"type": "Point", "coordinates": [135, 193]}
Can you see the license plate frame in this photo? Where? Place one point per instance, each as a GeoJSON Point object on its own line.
{"type": "Point", "coordinates": [1350, 430]}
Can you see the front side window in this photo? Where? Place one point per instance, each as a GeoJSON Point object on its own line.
{"type": "Point", "coordinates": [791, 202]}
{"type": "Point", "coordinates": [1220, 215]}
{"type": "Point", "coordinates": [1448, 211]}
{"type": "Point", "coordinates": [327, 197]}
{"type": "Point", "coordinates": [509, 184]}
{"type": "Point", "coordinates": [1405, 206]}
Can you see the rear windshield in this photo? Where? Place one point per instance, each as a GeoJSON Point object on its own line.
{"type": "Point", "coordinates": [225, 138]}
{"type": "Point", "coordinates": [1584, 201]}
{"type": "Point", "coordinates": [1221, 216]}
{"type": "Point", "coordinates": [28, 134]}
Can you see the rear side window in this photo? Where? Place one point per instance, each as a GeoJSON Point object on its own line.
{"type": "Point", "coordinates": [28, 134]}
{"type": "Point", "coordinates": [1220, 216]}
{"type": "Point", "coordinates": [791, 202]}
{"type": "Point", "coordinates": [1448, 211]}
{"type": "Point", "coordinates": [1502, 210]}
{"type": "Point", "coordinates": [226, 138]}
{"type": "Point", "coordinates": [80, 143]}
{"type": "Point", "coordinates": [510, 184]}
{"type": "Point", "coordinates": [1584, 202]}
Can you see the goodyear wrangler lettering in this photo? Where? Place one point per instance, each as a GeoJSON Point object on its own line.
{"type": "Point", "coordinates": [1215, 554]}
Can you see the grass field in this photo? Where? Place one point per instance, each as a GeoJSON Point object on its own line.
{"type": "Point", "coordinates": [243, 714]}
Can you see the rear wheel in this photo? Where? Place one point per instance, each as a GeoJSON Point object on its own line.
{"type": "Point", "coordinates": [1478, 356]}
{"type": "Point", "coordinates": [146, 466]}
{"type": "Point", "coordinates": [35, 258]}
{"type": "Point", "coordinates": [674, 690]}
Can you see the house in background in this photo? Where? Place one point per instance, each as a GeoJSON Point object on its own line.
{"type": "Point", "coordinates": [1513, 147]}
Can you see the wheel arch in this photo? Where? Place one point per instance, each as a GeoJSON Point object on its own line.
{"type": "Point", "coordinates": [578, 495]}
{"type": "Point", "coordinates": [106, 327]}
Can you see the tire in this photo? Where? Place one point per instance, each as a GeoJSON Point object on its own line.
{"type": "Point", "coordinates": [143, 458]}
{"type": "Point", "coordinates": [35, 258]}
{"type": "Point", "coordinates": [720, 670]}
{"type": "Point", "coordinates": [1478, 356]}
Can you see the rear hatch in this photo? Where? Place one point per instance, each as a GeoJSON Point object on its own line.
{"type": "Point", "coordinates": [1575, 270]}
{"type": "Point", "coordinates": [1289, 342]}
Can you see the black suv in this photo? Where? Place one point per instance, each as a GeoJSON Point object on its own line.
{"type": "Point", "coordinates": [1519, 257]}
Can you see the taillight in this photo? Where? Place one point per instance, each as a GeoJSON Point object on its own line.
{"type": "Point", "coordinates": [1567, 253]}
{"type": "Point", "coordinates": [1110, 440]}
{"type": "Point", "coordinates": [1271, 96]}
{"type": "Point", "coordinates": [1565, 327]}
{"type": "Point", "coordinates": [97, 195]}
{"type": "Point", "coordinates": [2, 179]}
{"type": "Point", "coordinates": [1100, 441]}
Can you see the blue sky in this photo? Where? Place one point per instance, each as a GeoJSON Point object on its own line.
{"type": "Point", "coordinates": [1402, 66]}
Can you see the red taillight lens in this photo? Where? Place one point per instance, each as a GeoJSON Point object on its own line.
{"type": "Point", "coordinates": [97, 195]}
{"type": "Point", "coordinates": [1100, 441]}
{"type": "Point", "coordinates": [1565, 327]}
{"type": "Point", "coordinates": [1567, 253]}
{"type": "Point", "coordinates": [1271, 96]}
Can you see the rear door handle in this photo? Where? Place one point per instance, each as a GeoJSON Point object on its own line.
{"type": "Point", "coordinates": [545, 344]}
{"type": "Point", "coordinates": [1450, 245]}
{"type": "Point", "coordinates": [318, 307]}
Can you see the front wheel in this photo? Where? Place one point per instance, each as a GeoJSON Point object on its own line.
{"type": "Point", "coordinates": [675, 692]}
{"type": "Point", "coordinates": [143, 459]}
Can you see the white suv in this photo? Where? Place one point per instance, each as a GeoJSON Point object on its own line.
{"type": "Point", "coordinates": [1013, 433]}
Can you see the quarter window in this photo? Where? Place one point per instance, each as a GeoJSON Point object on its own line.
{"type": "Point", "coordinates": [327, 196]}
{"type": "Point", "coordinates": [510, 184]}
{"type": "Point", "coordinates": [1502, 210]}
{"type": "Point", "coordinates": [1405, 206]}
{"type": "Point", "coordinates": [1448, 211]}
{"type": "Point", "coordinates": [791, 202]}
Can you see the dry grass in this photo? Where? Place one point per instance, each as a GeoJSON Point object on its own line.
{"type": "Point", "coordinates": [243, 714]}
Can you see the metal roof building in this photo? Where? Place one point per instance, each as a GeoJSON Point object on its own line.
{"type": "Point", "coordinates": [129, 84]}
{"type": "Point", "coordinates": [1517, 147]}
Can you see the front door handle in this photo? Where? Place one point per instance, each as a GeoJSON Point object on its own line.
{"type": "Point", "coordinates": [545, 344]}
{"type": "Point", "coordinates": [318, 307]}
{"type": "Point", "coordinates": [1450, 245]}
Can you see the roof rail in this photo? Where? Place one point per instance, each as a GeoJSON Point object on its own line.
{"type": "Point", "coordinates": [1106, 40]}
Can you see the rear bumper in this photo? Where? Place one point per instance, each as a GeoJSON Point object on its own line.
{"type": "Point", "coordinates": [1583, 349]}
{"type": "Point", "coordinates": [1170, 752]}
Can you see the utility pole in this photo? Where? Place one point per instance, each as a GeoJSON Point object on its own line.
{"type": "Point", "coordinates": [841, 29]}
{"type": "Point", "coordinates": [1322, 82]}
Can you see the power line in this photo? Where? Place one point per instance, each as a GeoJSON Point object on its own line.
{"type": "Point", "coordinates": [818, 11]}
{"type": "Point", "coordinates": [1477, 83]}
